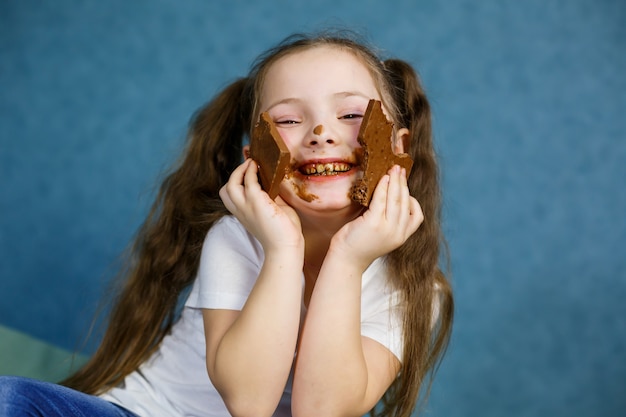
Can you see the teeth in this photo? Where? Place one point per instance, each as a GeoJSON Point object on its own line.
{"type": "Point", "coordinates": [325, 169]}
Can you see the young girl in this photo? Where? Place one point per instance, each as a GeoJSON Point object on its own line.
{"type": "Point", "coordinates": [297, 306]}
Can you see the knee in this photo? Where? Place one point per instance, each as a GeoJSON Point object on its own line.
{"type": "Point", "coordinates": [11, 386]}
{"type": "Point", "coordinates": [16, 396]}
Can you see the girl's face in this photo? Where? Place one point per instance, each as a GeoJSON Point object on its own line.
{"type": "Point", "coordinates": [317, 99]}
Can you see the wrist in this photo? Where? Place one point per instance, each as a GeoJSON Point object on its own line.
{"type": "Point", "coordinates": [349, 256]}
{"type": "Point", "coordinates": [291, 253]}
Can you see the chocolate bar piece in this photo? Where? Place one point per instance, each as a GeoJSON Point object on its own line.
{"type": "Point", "coordinates": [269, 151]}
{"type": "Point", "coordinates": [378, 156]}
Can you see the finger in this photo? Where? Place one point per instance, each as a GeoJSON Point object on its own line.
{"type": "Point", "coordinates": [227, 194]}
{"type": "Point", "coordinates": [394, 206]}
{"type": "Point", "coordinates": [237, 175]}
{"type": "Point", "coordinates": [251, 178]}
{"type": "Point", "coordinates": [234, 187]}
{"type": "Point", "coordinates": [416, 215]}
{"type": "Point", "coordinates": [379, 198]}
{"type": "Point", "coordinates": [403, 199]}
{"type": "Point", "coordinates": [226, 198]}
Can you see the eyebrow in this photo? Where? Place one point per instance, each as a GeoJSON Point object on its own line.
{"type": "Point", "coordinates": [284, 101]}
{"type": "Point", "coordinates": [344, 94]}
{"type": "Point", "coordinates": [341, 94]}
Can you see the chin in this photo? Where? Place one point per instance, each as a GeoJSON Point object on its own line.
{"type": "Point", "coordinates": [321, 196]}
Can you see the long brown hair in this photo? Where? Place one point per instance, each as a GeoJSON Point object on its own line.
{"type": "Point", "coordinates": [165, 255]}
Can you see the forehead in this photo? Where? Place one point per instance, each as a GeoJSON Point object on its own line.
{"type": "Point", "coordinates": [318, 69]}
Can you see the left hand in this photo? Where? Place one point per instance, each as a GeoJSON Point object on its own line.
{"type": "Point", "coordinates": [392, 217]}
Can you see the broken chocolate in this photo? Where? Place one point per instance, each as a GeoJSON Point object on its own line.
{"type": "Point", "coordinates": [269, 151]}
{"type": "Point", "coordinates": [377, 153]}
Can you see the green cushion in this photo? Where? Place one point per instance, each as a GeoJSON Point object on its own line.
{"type": "Point", "coordinates": [24, 355]}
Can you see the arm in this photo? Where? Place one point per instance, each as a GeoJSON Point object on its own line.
{"type": "Point", "coordinates": [250, 353]}
{"type": "Point", "coordinates": [338, 372]}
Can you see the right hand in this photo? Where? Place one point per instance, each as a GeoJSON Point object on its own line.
{"type": "Point", "coordinates": [273, 223]}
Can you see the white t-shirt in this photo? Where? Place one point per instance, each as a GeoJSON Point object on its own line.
{"type": "Point", "coordinates": [174, 381]}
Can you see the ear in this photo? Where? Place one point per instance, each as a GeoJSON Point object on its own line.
{"type": "Point", "coordinates": [246, 151]}
{"type": "Point", "coordinates": [401, 142]}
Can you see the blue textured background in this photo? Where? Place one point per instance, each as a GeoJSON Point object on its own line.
{"type": "Point", "coordinates": [529, 102]}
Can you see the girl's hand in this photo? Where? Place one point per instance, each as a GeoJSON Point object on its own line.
{"type": "Point", "coordinates": [274, 223]}
{"type": "Point", "coordinates": [392, 217]}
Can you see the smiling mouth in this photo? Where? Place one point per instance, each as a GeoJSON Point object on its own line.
{"type": "Point", "coordinates": [324, 169]}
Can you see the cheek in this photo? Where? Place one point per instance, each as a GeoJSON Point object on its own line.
{"type": "Point", "coordinates": [355, 134]}
{"type": "Point", "coordinates": [289, 136]}
{"type": "Point", "coordinates": [351, 133]}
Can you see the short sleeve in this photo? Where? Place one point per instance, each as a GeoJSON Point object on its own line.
{"type": "Point", "coordinates": [381, 315]}
{"type": "Point", "coordinates": [230, 262]}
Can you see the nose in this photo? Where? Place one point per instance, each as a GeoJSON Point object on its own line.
{"type": "Point", "coordinates": [320, 136]}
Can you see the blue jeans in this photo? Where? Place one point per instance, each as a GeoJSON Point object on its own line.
{"type": "Point", "coordinates": [24, 397]}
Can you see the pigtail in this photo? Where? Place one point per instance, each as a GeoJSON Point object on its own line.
{"type": "Point", "coordinates": [415, 265]}
{"type": "Point", "coordinates": [164, 258]}
{"type": "Point", "coordinates": [414, 112]}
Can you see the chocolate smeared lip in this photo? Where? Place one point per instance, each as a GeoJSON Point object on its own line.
{"type": "Point", "coordinates": [324, 168]}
